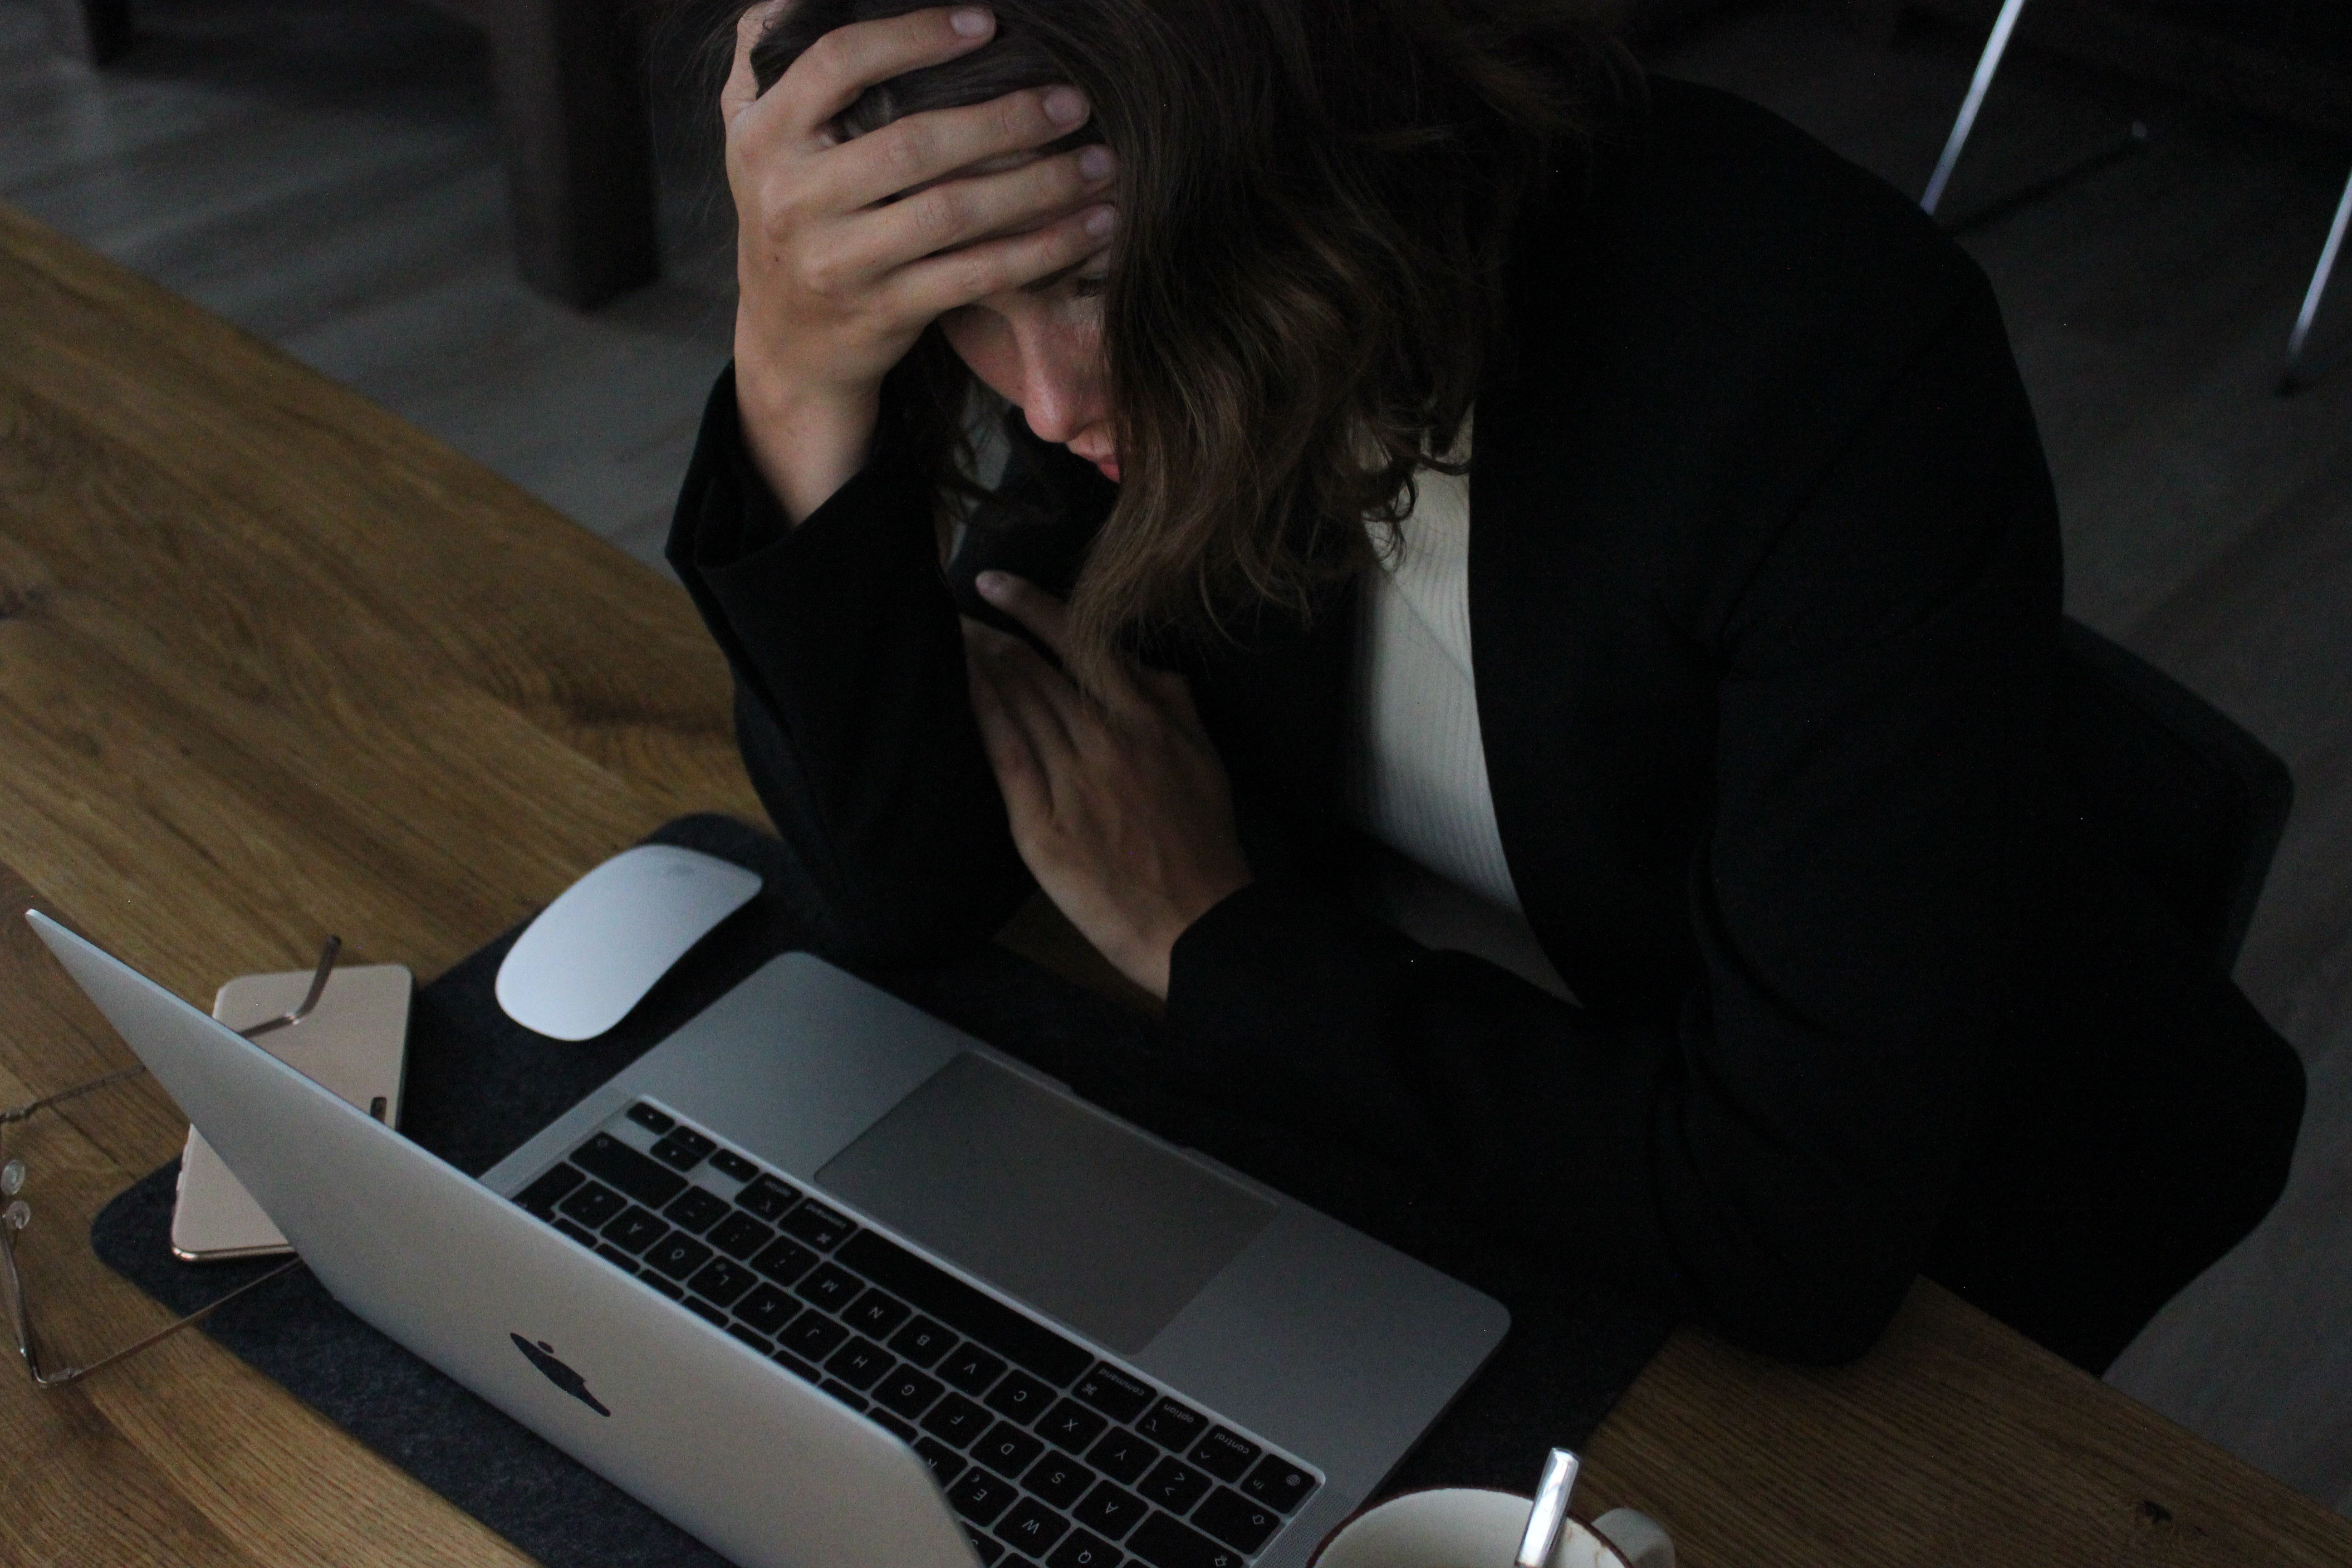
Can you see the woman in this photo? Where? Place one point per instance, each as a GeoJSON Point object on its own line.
{"type": "Point", "coordinates": [1818, 980]}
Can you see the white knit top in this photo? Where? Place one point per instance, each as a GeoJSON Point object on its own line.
{"type": "Point", "coordinates": [1417, 766]}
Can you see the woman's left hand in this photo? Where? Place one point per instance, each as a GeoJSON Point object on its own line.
{"type": "Point", "coordinates": [1118, 801]}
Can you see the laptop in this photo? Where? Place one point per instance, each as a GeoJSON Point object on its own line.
{"type": "Point", "coordinates": [831, 1285]}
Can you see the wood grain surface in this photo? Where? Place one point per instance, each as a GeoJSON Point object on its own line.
{"type": "Point", "coordinates": [273, 663]}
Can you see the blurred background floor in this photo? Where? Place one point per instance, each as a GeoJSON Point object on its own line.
{"type": "Point", "coordinates": [324, 173]}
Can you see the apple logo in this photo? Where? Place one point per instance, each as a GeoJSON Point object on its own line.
{"type": "Point", "coordinates": [543, 1356]}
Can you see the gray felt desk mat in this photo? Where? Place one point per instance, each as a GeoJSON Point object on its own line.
{"type": "Point", "coordinates": [479, 1085]}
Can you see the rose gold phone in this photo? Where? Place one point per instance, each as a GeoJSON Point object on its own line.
{"type": "Point", "coordinates": [355, 1042]}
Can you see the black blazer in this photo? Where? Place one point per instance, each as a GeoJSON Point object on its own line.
{"type": "Point", "coordinates": [1764, 600]}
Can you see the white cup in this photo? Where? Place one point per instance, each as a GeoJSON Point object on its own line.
{"type": "Point", "coordinates": [1458, 1527]}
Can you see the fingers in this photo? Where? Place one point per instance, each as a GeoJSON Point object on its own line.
{"type": "Point", "coordinates": [1124, 689]}
{"type": "Point", "coordinates": [1174, 694]}
{"type": "Point", "coordinates": [1029, 720]}
{"type": "Point", "coordinates": [1033, 607]}
{"type": "Point", "coordinates": [914, 151]}
{"type": "Point", "coordinates": [742, 84]}
{"type": "Point", "coordinates": [1039, 698]}
{"type": "Point", "coordinates": [943, 279]}
{"type": "Point", "coordinates": [1021, 774]}
{"type": "Point", "coordinates": [1009, 193]}
{"type": "Point", "coordinates": [829, 74]}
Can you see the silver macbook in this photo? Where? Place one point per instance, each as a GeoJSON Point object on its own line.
{"type": "Point", "coordinates": [831, 1285]}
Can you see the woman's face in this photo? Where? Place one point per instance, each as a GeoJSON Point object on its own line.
{"type": "Point", "coordinates": [1039, 346]}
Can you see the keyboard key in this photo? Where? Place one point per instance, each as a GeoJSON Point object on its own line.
{"type": "Point", "coordinates": [922, 1342]}
{"type": "Point", "coordinates": [1007, 1450]}
{"type": "Point", "coordinates": [1174, 1484]}
{"type": "Point", "coordinates": [902, 1430]}
{"type": "Point", "coordinates": [674, 1292]}
{"type": "Point", "coordinates": [1031, 1527]}
{"type": "Point", "coordinates": [957, 1420]}
{"type": "Point", "coordinates": [739, 1235]}
{"type": "Point", "coordinates": [757, 1342]}
{"type": "Point", "coordinates": [989, 1547]}
{"type": "Point", "coordinates": [768, 1198]}
{"type": "Point", "coordinates": [684, 1149]}
{"type": "Point", "coordinates": [1279, 1484]}
{"type": "Point", "coordinates": [785, 1261]}
{"type": "Point", "coordinates": [705, 1310]}
{"type": "Point", "coordinates": [733, 1166]}
{"type": "Point", "coordinates": [876, 1313]}
{"type": "Point", "coordinates": [846, 1393]}
{"type": "Point", "coordinates": [813, 1336]}
{"type": "Point", "coordinates": [767, 1308]}
{"type": "Point", "coordinates": [1173, 1425]}
{"type": "Point", "coordinates": [594, 1205]}
{"type": "Point", "coordinates": [1083, 1548]}
{"type": "Point", "coordinates": [1059, 1480]}
{"type": "Point", "coordinates": [1235, 1521]}
{"type": "Point", "coordinates": [861, 1362]}
{"type": "Point", "coordinates": [980, 1496]}
{"type": "Point", "coordinates": [832, 1287]}
{"type": "Point", "coordinates": [1164, 1543]}
{"type": "Point", "coordinates": [970, 1369]}
{"type": "Point", "coordinates": [721, 1281]}
{"type": "Point", "coordinates": [616, 1257]}
{"type": "Point", "coordinates": [652, 1120]}
{"type": "Point", "coordinates": [541, 1196]}
{"type": "Point", "coordinates": [607, 1158]}
{"type": "Point", "coordinates": [1123, 1453]}
{"type": "Point", "coordinates": [634, 1230]}
{"type": "Point", "coordinates": [1111, 1510]}
{"type": "Point", "coordinates": [971, 1313]}
{"type": "Point", "coordinates": [1224, 1453]}
{"type": "Point", "coordinates": [796, 1366]}
{"type": "Point", "coordinates": [1071, 1425]}
{"type": "Point", "coordinates": [818, 1225]}
{"type": "Point", "coordinates": [1114, 1392]}
{"type": "Point", "coordinates": [579, 1233]}
{"type": "Point", "coordinates": [1020, 1397]}
{"type": "Point", "coordinates": [945, 1462]}
{"type": "Point", "coordinates": [677, 1255]}
{"type": "Point", "coordinates": [695, 1208]}
{"type": "Point", "coordinates": [908, 1391]}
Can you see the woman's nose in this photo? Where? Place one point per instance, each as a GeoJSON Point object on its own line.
{"type": "Point", "coordinates": [1056, 407]}
{"type": "Point", "coordinates": [1061, 392]}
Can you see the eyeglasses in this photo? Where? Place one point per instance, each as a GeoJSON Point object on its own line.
{"type": "Point", "coordinates": [16, 1181]}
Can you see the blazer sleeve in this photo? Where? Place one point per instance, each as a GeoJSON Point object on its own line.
{"type": "Point", "coordinates": [850, 701]}
{"type": "Point", "coordinates": [1774, 1164]}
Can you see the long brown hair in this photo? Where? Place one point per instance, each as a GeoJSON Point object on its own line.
{"type": "Point", "coordinates": [1315, 202]}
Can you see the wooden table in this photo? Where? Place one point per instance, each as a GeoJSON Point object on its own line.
{"type": "Point", "coordinates": [273, 663]}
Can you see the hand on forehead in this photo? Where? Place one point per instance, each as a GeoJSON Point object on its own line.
{"type": "Point", "coordinates": [998, 163]}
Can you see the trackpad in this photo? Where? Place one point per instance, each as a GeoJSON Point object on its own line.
{"type": "Point", "coordinates": [1049, 1200]}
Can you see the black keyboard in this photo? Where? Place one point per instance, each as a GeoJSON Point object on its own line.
{"type": "Point", "coordinates": [1052, 1456]}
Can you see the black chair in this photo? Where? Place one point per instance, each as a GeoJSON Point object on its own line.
{"type": "Point", "coordinates": [2196, 803]}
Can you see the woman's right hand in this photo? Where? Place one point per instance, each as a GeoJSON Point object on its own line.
{"type": "Point", "coordinates": [838, 278]}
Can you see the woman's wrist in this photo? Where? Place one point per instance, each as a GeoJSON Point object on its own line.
{"type": "Point", "coordinates": [807, 443]}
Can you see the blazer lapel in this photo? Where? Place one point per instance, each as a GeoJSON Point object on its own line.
{"type": "Point", "coordinates": [1598, 729]}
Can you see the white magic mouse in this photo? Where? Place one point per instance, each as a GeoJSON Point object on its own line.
{"type": "Point", "coordinates": [592, 953]}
